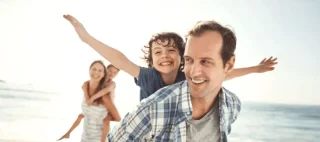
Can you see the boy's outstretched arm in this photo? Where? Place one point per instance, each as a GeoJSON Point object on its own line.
{"type": "Point", "coordinates": [114, 56]}
{"type": "Point", "coordinates": [264, 66]}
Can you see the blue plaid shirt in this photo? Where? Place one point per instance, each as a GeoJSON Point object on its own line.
{"type": "Point", "coordinates": [163, 115]}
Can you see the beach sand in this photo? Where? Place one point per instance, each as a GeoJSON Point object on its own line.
{"type": "Point", "coordinates": [2, 140]}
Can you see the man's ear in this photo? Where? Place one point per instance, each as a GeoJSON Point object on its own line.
{"type": "Point", "coordinates": [229, 65]}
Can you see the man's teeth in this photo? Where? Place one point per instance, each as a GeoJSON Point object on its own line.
{"type": "Point", "coordinates": [198, 81]}
{"type": "Point", "coordinates": [165, 63]}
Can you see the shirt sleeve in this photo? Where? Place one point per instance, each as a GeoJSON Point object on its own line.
{"type": "Point", "coordinates": [145, 74]}
{"type": "Point", "coordinates": [133, 127]}
{"type": "Point", "coordinates": [236, 107]}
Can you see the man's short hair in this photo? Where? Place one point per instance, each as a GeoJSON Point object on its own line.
{"type": "Point", "coordinates": [228, 37]}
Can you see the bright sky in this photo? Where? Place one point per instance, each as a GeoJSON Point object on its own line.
{"type": "Point", "coordinates": [38, 46]}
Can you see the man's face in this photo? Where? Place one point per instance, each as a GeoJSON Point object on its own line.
{"type": "Point", "coordinates": [165, 59]}
{"type": "Point", "coordinates": [204, 69]}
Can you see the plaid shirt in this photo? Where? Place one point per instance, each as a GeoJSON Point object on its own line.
{"type": "Point", "coordinates": [163, 115]}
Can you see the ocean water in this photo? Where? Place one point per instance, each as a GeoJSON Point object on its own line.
{"type": "Point", "coordinates": [33, 116]}
{"type": "Point", "coordinates": [259, 122]}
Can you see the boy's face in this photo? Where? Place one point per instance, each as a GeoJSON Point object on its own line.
{"type": "Point", "coordinates": [112, 72]}
{"type": "Point", "coordinates": [165, 59]}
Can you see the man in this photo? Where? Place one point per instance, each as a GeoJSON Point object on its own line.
{"type": "Point", "coordinates": [163, 54]}
{"type": "Point", "coordinates": [196, 109]}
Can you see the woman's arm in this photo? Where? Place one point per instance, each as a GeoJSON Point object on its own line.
{"type": "Point", "coordinates": [103, 92]}
{"type": "Point", "coordinates": [85, 91]}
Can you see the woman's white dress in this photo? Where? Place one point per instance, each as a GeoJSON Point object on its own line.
{"type": "Point", "coordinates": [93, 122]}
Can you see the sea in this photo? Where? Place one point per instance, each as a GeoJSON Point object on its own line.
{"type": "Point", "coordinates": [39, 116]}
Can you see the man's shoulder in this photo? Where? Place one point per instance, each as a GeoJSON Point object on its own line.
{"type": "Point", "coordinates": [228, 93]}
{"type": "Point", "coordinates": [231, 99]}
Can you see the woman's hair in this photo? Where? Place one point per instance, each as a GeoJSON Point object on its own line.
{"type": "Point", "coordinates": [102, 81]}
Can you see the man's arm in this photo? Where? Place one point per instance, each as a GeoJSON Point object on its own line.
{"type": "Point", "coordinates": [133, 127]}
{"type": "Point", "coordinates": [114, 56]}
{"type": "Point", "coordinates": [264, 66]}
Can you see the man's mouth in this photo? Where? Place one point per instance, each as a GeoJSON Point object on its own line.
{"type": "Point", "coordinates": [198, 81]}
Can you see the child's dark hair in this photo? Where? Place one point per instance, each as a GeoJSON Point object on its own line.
{"type": "Point", "coordinates": [110, 65]}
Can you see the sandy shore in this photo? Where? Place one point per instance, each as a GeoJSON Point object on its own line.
{"type": "Point", "coordinates": [2, 140]}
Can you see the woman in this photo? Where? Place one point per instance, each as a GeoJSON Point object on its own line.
{"type": "Point", "coordinates": [97, 118]}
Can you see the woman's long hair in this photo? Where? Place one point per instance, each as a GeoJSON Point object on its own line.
{"type": "Point", "coordinates": [101, 82]}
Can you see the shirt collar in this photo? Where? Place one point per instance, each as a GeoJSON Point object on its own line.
{"type": "Point", "coordinates": [186, 98]}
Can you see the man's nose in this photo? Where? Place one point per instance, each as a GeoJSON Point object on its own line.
{"type": "Point", "coordinates": [196, 70]}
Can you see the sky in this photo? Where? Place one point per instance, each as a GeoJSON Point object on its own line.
{"type": "Point", "coordinates": [39, 47]}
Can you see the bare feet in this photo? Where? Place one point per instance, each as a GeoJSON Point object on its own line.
{"type": "Point", "coordinates": [65, 136]}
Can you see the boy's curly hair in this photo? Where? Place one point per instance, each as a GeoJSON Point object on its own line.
{"type": "Point", "coordinates": [177, 40]}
